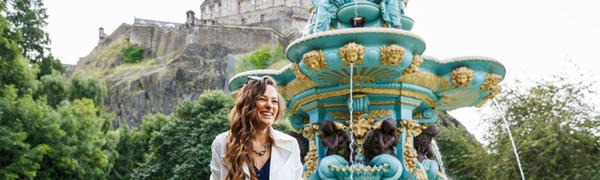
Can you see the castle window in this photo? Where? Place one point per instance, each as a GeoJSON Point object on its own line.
{"type": "Point", "coordinates": [262, 17]}
{"type": "Point", "coordinates": [243, 20]}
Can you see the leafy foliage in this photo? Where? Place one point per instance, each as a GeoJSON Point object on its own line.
{"type": "Point", "coordinates": [40, 142]}
{"type": "Point", "coordinates": [54, 88]}
{"type": "Point", "coordinates": [133, 144]}
{"type": "Point", "coordinates": [134, 54]}
{"type": "Point", "coordinates": [261, 58]}
{"type": "Point", "coordinates": [463, 156]}
{"type": "Point", "coordinates": [83, 87]}
{"type": "Point", "coordinates": [181, 149]}
{"type": "Point", "coordinates": [48, 65]}
{"type": "Point", "coordinates": [556, 132]}
{"type": "Point", "coordinates": [29, 17]}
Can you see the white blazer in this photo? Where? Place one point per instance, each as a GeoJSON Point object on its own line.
{"type": "Point", "coordinates": [285, 158]}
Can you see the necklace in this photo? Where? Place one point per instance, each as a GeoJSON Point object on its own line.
{"type": "Point", "coordinates": [263, 152]}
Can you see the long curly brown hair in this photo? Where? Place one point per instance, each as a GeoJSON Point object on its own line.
{"type": "Point", "coordinates": [242, 119]}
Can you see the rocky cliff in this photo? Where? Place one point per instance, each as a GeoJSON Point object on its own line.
{"type": "Point", "coordinates": [179, 63]}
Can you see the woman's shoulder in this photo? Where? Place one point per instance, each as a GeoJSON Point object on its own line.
{"type": "Point", "coordinates": [278, 135]}
{"type": "Point", "coordinates": [221, 138]}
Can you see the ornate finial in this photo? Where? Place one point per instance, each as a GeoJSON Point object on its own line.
{"type": "Point", "coordinates": [462, 76]}
{"type": "Point", "coordinates": [352, 53]}
{"type": "Point", "coordinates": [392, 55]}
{"type": "Point", "coordinates": [414, 66]}
{"type": "Point", "coordinates": [315, 60]}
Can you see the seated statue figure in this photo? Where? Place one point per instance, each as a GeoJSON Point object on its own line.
{"type": "Point", "coordinates": [382, 140]}
{"type": "Point", "coordinates": [335, 139]}
{"type": "Point", "coordinates": [423, 143]}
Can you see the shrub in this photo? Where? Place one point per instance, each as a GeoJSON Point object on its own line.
{"type": "Point", "coordinates": [134, 54]}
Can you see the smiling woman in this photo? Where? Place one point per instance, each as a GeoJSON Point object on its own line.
{"type": "Point", "coordinates": [252, 141]}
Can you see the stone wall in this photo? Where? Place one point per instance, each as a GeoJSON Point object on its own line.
{"type": "Point", "coordinates": [258, 12]}
{"type": "Point", "coordinates": [238, 39]}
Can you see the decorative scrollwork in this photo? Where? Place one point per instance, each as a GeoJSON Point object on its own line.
{"type": "Point", "coordinates": [315, 60]}
{"type": "Point", "coordinates": [462, 76]}
{"type": "Point", "coordinates": [352, 53]}
{"type": "Point", "coordinates": [392, 55]}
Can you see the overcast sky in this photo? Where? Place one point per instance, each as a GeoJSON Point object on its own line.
{"type": "Point", "coordinates": [532, 38]}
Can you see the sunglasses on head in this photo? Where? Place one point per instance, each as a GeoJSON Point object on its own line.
{"type": "Point", "coordinates": [251, 78]}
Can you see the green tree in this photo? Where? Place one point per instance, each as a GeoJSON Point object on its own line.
{"type": "Point", "coordinates": [54, 87]}
{"type": "Point", "coordinates": [29, 17]}
{"type": "Point", "coordinates": [463, 156]}
{"type": "Point", "coordinates": [84, 87]}
{"type": "Point", "coordinates": [555, 129]}
{"type": "Point", "coordinates": [40, 142]}
{"type": "Point", "coordinates": [50, 64]}
{"type": "Point", "coordinates": [14, 68]}
{"type": "Point", "coordinates": [181, 149]}
{"type": "Point", "coordinates": [134, 143]}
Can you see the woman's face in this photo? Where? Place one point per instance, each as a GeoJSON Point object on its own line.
{"type": "Point", "coordinates": [267, 106]}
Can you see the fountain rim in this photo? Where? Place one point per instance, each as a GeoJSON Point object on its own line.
{"type": "Point", "coordinates": [363, 30]}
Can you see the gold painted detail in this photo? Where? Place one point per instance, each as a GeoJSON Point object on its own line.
{"type": "Point", "coordinates": [310, 160]}
{"type": "Point", "coordinates": [296, 70]}
{"type": "Point", "coordinates": [352, 53]}
{"type": "Point", "coordinates": [395, 102]}
{"type": "Point", "coordinates": [462, 76]}
{"type": "Point", "coordinates": [374, 114]}
{"type": "Point", "coordinates": [370, 103]}
{"type": "Point", "coordinates": [414, 66]}
{"type": "Point", "coordinates": [300, 84]}
{"type": "Point", "coordinates": [397, 92]}
{"type": "Point", "coordinates": [315, 60]}
{"type": "Point", "coordinates": [411, 126]}
{"type": "Point", "coordinates": [360, 127]}
{"type": "Point", "coordinates": [430, 81]}
{"type": "Point", "coordinates": [368, 168]}
{"type": "Point", "coordinates": [392, 55]}
{"type": "Point", "coordinates": [420, 174]}
{"type": "Point", "coordinates": [412, 129]}
{"type": "Point", "coordinates": [491, 82]}
{"type": "Point", "coordinates": [357, 80]}
{"type": "Point", "coordinates": [379, 114]}
{"type": "Point", "coordinates": [410, 154]}
{"type": "Point", "coordinates": [495, 92]}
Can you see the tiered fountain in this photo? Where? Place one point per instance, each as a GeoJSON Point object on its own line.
{"type": "Point", "coordinates": [361, 91]}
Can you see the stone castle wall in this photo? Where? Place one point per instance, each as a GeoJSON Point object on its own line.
{"type": "Point", "coordinates": [284, 16]}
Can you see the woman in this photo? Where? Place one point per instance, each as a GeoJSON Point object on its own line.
{"type": "Point", "coordinates": [251, 149]}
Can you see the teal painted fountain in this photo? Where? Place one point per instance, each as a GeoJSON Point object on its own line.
{"type": "Point", "coordinates": [361, 92]}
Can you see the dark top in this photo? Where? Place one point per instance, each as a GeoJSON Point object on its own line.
{"type": "Point", "coordinates": [263, 173]}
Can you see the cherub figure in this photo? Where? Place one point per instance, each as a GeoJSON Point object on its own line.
{"type": "Point", "coordinates": [382, 140]}
{"type": "Point", "coordinates": [392, 55]}
{"type": "Point", "coordinates": [462, 76]}
{"type": "Point", "coordinates": [335, 138]}
{"type": "Point", "coordinates": [315, 60]}
{"type": "Point", "coordinates": [423, 143]}
{"type": "Point", "coordinates": [352, 53]}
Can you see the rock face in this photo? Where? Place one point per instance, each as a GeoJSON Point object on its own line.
{"type": "Point", "coordinates": [180, 63]}
{"type": "Point", "coordinates": [444, 119]}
